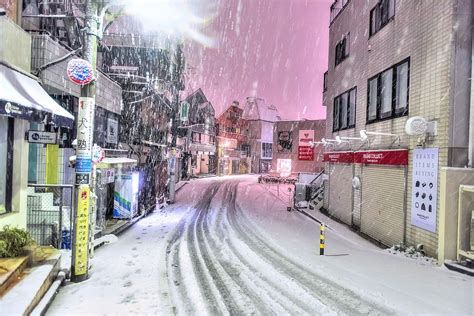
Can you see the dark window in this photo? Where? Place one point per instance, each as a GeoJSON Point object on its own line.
{"type": "Point", "coordinates": [325, 82]}
{"type": "Point", "coordinates": [267, 150]}
{"type": "Point", "coordinates": [381, 15]}
{"type": "Point", "coordinates": [352, 107]}
{"type": "Point", "coordinates": [6, 163]}
{"type": "Point", "coordinates": [342, 49]}
{"type": "Point", "coordinates": [344, 112]}
{"type": "Point", "coordinates": [388, 93]}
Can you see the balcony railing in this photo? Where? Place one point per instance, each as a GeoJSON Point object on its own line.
{"type": "Point", "coordinates": [337, 7]}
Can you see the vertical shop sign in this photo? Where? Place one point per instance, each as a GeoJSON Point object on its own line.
{"type": "Point", "coordinates": [424, 188]}
{"type": "Point", "coordinates": [305, 151]}
{"type": "Point", "coordinates": [85, 117]}
{"type": "Point", "coordinates": [82, 231]}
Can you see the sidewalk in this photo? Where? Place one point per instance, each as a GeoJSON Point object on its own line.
{"type": "Point", "coordinates": [411, 286]}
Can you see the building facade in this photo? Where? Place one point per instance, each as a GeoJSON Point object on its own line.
{"type": "Point", "coordinates": [198, 136]}
{"type": "Point", "coordinates": [293, 146]}
{"type": "Point", "coordinates": [389, 61]}
{"type": "Point", "coordinates": [260, 118]}
{"type": "Point", "coordinates": [232, 141]}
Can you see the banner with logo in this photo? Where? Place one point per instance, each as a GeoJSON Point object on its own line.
{"type": "Point", "coordinates": [424, 188]}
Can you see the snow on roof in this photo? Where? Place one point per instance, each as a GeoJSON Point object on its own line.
{"type": "Point", "coordinates": [256, 109]}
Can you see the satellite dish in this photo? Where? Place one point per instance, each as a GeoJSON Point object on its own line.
{"type": "Point", "coordinates": [416, 126]}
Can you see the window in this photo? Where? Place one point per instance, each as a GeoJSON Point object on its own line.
{"type": "Point", "coordinates": [325, 82]}
{"type": "Point", "coordinates": [381, 15]}
{"type": "Point", "coordinates": [342, 49]}
{"type": "Point", "coordinates": [401, 97]}
{"type": "Point", "coordinates": [344, 112]}
{"type": "Point", "coordinates": [6, 163]}
{"type": "Point", "coordinates": [388, 93]}
{"type": "Point", "coordinates": [267, 150]}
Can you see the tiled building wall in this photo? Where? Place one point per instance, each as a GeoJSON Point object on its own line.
{"type": "Point", "coordinates": [55, 81]}
{"type": "Point", "coordinates": [420, 30]}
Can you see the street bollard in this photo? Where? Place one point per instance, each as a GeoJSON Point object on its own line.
{"type": "Point", "coordinates": [321, 240]}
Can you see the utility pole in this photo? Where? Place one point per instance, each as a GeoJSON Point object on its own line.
{"type": "Point", "coordinates": [174, 136]}
{"type": "Point", "coordinates": [85, 129]}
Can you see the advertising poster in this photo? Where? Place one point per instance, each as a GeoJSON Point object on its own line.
{"type": "Point", "coordinates": [424, 188]}
{"type": "Point", "coordinates": [285, 141]}
{"type": "Point", "coordinates": [125, 196]}
{"type": "Point", "coordinates": [112, 131]}
{"type": "Point", "coordinates": [82, 231]}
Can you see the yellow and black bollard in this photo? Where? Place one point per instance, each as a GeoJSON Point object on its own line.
{"type": "Point", "coordinates": [321, 240]}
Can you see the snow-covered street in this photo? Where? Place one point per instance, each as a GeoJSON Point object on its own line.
{"type": "Point", "coordinates": [228, 246]}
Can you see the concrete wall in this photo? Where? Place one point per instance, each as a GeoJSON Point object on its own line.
{"type": "Point", "coordinates": [430, 33]}
{"type": "Point", "coordinates": [15, 44]}
{"type": "Point", "coordinates": [319, 128]}
{"type": "Point", "coordinates": [44, 50]}
{"type": "Point", "coordinates": [450, 180]}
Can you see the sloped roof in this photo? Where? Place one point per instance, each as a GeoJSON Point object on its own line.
{"type": "Point", "coordinates": [256, 109]}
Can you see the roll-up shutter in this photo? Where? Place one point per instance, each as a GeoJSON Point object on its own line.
{"type": "Point", "coordinates": [382, 209]}
{"type": "Point", "coordinates": [340, 192]}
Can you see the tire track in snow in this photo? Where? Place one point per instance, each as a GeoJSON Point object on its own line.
{"type": "Point", "coordinates": [273, 295]}
{"type": "Point", "coordinates": [333, 295]}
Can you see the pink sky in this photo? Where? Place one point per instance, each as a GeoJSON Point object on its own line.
{"type": "Point", "coordinates": [273, 49]}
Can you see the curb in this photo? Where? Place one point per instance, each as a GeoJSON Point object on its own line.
{"type": "Point", "coordinates": [49, 296]}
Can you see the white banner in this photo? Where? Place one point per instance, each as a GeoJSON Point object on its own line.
{"type": "Point", "coordinates": [85, 121]}
{"type": "Point", "coordinates": [306, 137]}
{"type": "Point", "coordinates": [424, 188]}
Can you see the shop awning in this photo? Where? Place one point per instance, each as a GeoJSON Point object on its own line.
{"type": "Point", "coordinates": [117, 162]}
{"type": "Point", "coordinates": [21, 96]}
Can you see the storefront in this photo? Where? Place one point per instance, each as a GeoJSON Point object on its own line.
{"type": "Point", "coordinates": [367, 190]}
{"type": "Point", "coordinates": [22, 100]}
{"type": "Point", "coordinates": [117, 184]}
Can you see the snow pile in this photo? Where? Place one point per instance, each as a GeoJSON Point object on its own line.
{"type": "Point", "coordinates": [412, 253]}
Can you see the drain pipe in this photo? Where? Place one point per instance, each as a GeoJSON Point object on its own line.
{"type": "Point", "coordinates": [459, 142]}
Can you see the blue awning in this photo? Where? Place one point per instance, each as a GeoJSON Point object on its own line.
{"type": "Point", "coordinates": [21, 96]}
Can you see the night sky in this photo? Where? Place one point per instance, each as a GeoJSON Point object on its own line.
{"type": "Point", "coordinates": [273, 49]}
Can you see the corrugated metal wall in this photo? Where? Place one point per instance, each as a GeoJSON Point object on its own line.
{"type": "Point", "coordinates": [383, 203]}
{"type": "Point", "coordinates": [340, 192]}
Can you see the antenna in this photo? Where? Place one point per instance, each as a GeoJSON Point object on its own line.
{"type": "Point", "coordinates": [364, 135]}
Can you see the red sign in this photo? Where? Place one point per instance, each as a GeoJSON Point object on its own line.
{"type": "Point", "coordinates": [382, 157]}
{"type": "Point", "coordinates": [339, 157]}
{"type": "Point", "coordinates": [305, 153]}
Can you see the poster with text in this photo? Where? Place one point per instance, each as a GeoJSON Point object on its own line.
{"type": "Point", "coordinates": [424, 188]}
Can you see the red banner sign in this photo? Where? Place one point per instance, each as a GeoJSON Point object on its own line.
{"type": "Point", "coordinates": [382, 157]}
{"type": "Point", "coordinates": [305, 153]}
{"type": "Point", "coordinates": [339, 157]}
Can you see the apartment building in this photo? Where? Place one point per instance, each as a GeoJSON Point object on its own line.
{"type": "Point", "coordinates": [260, 118]}
{"type": "Point", "coordinates": [390, 61]}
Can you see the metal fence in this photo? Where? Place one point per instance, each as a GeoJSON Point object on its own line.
{"type": "Point", "coordinates": [49, 214]}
